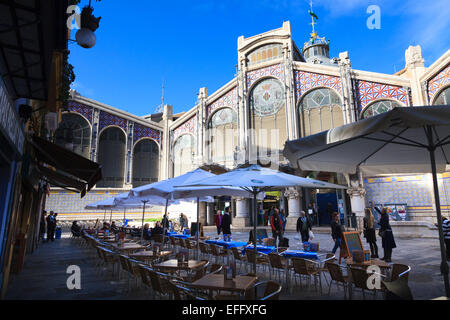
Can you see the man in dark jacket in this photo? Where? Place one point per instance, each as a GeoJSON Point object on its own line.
{"type": "Point", "coordinates": [277, 226]}
{"type": "Point", "coordinates": [303, 226]}
{"type": "Point", "coordinates": [165, 223]}
{"type": "Point", "coordinates": [336, 232]}
{"type": "Point", "coordinates": [226, 225]}
{"type": "Point", "coordinates": [387, 236]}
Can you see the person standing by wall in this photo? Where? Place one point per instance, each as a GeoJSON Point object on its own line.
{"type": "Point", "coordinates": [369, 232]}
{"type": "Point", "coordinates": [51, 226]}
{"type": "Point", "coordinates": [218, 221]}
{"type": "Point", "coordinates": [277, 227]}
{"type": "Point", "coordinates": [43, 225]}
{"type": "Point", "coordinates": [336, 232]}
{"type": "Point", "coordinates": [303, 226]}
{"type": "Point", "coordinates": [226, 225]}
{"type": "Point", "coordinates": [311, 213]}
{"type": "Point", "coordinates": [387, 235]}
{"type": "Point", "coordinates": [165, 223]}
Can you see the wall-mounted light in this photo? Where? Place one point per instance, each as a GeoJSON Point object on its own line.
{"type": "Point", "coordinates": [85, 36]}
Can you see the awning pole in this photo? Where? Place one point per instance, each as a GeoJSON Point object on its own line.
{"type": "Point", "coordinates": [255, 210]}
{"type": "Point", "coordinates": [198, 226]}
{"type": "Point", "coordinates": [444, 264]}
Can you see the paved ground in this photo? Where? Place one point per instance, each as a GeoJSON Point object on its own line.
{"type": "Point", "coordinates": [44, 274]}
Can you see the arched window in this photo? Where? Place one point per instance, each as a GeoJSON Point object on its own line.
{"type": "Point", "coordinates": [74, 133]}
{"type": "Point", "coordinates": [223, 139]}
{"type": "Point", "coordinates": [443, 98]}
{"type": "Point", "coordinates": [378, 107]}
{"type": "Point", "coordinates": [183, 154]}
{"type": "Point", "coordinates": [111, 156]}
{"type": "Point", "coordinates": [145, 162]}
{"type": "Point", "coordinates": [268, 117]}
{"type": "Point", "coordinates": [320, 110]}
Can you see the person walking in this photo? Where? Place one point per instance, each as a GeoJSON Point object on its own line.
{"type": "Point", "coordinates": [283, 218]}
{"type": "Point", "coordinates": [218, 221]}
{"type": "Point", "coordinates": [277, 226]}
{"type": "Point", "coordinates": [312, 213]}
{"type": "Point", "coordinates": [183, 221]}
{"type": "Point", "coordinates": [446, 231]}
{"type": "Point", "coordinates": [51, 226]}
{"type": "Point", "coordinates": [303, 226]}
{"type": "Point", "coordinates": [369, 232]}
{"type": "Point", "coordinates": [387, 236]}
{"type": "Point", "coordinates": [226, 226]}
{"type": "Point", "coordinates": [336, 232]}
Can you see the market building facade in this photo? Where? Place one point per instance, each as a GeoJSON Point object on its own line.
{"type": "Point", "coordinates": [280, 92]}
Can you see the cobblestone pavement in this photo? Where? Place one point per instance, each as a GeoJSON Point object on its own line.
{"type": "Point", "coordinates": [44, 273]}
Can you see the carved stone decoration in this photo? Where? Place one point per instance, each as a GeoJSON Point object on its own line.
{"type": "Point", "coordinates": [356, 192]}
{"type": "Point", "coordinates": [413, 57]}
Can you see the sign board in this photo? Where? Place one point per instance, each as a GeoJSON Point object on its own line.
{"type": "Point", "coordinates": [396, 211]}
{"type": "Point", "coordinates": [351, 241]}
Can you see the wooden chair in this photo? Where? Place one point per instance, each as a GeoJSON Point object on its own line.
{"type": "Point", "coordinates": [400, 270]}
{"type": "Point", "coordinates": [215, 251]}
{"type": "Point", "coordinates": [277, 264]}
{"type": "Point", "coordinates": [261, 259]}
{"type": "Point", "coordinates": [204, 250]}
{"type": "Point", "coordinates": [160, 287]}
{"type": "Point", "coordinates": [238, 257]}
{"type": "Point", "coordinates": [307, 268]}
{"type": "Point", "coordinates": [359, 281]}
{"type": "Point", "coordinates": [339, 278]}
{"type": "Point", "coordinates": [272, 291]}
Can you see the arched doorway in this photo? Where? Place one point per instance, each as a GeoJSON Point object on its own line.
{"type": "Point", "coordinates": [145, 162]}
{"type": "Point", "coordinates": [111, 156]}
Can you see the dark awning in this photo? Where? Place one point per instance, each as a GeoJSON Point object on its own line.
{"type": "Point", "coordinates": [69, 163]}
{"type": "Point", "coordinates": [58, 179]}
{"type": "Point", "coordinates": [30, 31]}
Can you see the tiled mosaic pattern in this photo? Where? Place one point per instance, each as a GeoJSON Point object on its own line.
{"type": "Point", "coordinates": [371, 91]}
{"type": "Point", "coordinates": [190, 126]}
{"type": "Point", "coordinates": [85, 111]}
{"type": "Point", "coordinates": [440, 80]}
{"type": "Point", "coordinates": [107, 119]}
{"type": "Point", "coordinates": [274, 71]}
{"type": "Point", "coordinates": [444, 190]}
{"type": "Point", "coordinates": [144, 132]}
{"type": "Point", "coordinates": [305, 81]}
{"type": "Point", "coordinates": [412, 190]}
{"type": "Point", "coordinates": [227, 100]}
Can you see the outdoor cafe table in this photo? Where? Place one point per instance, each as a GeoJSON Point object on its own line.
{"type": "Point", "coordinates": [149, 256]}
{"type": "Point", "coordinates": [216, 282]}
{"type": "Point", "coordinates": [126, 247]}
{"type": "Point", "coordinates": [227, 244]}
{"type": "Point", "coordinates": [172, 265]}
{"type": "Point", "coordinates": [260, 248]}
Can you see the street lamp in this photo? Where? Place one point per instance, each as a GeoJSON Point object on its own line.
{"type": "Point", "coordinates": [85, 36]}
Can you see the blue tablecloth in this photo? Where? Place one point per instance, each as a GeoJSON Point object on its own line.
{"type": "Point", "coordinates": [177, 235]}
{"type": "Point", "coordinates": [299, 254]}
{"type": "Point", "coordinates": [227, 244]}
{"type": "Point", "coordinates": [260, 248]}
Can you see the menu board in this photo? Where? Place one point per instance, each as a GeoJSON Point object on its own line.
{"type": "Point", "coordinates": [351, 241]}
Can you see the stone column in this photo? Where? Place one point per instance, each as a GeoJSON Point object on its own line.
{"type": "Point", "coordinates": [416, 68]}
{"type": "Point", "coordinates": [294, 206]}
{"type": "Point", "coordinates": [242, 218]}
{"type": "Point", "coordinates": [358, 203]}
{"type": "Point", "coordinates": [210, 214]}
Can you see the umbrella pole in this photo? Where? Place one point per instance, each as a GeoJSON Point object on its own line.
{"type": "Point", "coordinates": [255, 210]}
{"type": "Point", "coordinates": [143, 214]}
{"type": "Point", "coordinates": [104, 216]}
{"type": "Point", "coordinates": [198, 225]}
{"type": "Point", "coordinates": [124, 214]}
{"type": "Point", "coordinates": [444, 264]}
{"type": "Point", "coordinates": [110, 218]}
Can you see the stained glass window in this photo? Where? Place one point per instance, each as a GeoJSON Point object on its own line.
{"type": "Point", "coordinates": [265, 53]}
{"type": "Point", "coordinates": [320, 110]}
{"type": "Point", "coordinates": [267, 97]}
{"type": "Point", "coordinates": [74, 131]}
{"type": "Point", "coordinates": [183, 150]}
{"type": "Point", "coordinates": [111, 156]}
{"type": "Point", "coordinates": [379, 107]}
{"type": "Point", "coordinates": [443, 97]}
{"type": "Point", "coordinates": [145, 162]}
{"type": "Point", "coordinates": [223, 136]}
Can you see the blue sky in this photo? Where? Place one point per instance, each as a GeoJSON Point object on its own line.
{"type": "Point", "coordinates": [193, 44]}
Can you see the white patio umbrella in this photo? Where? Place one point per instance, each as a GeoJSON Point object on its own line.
{"type": "Point", "coordinates": [403, 140]}
{"type": "Point", "coordinates": [112, 204]}
{"type": "Point", "coordinates": [181, 192]}
{"type": "Point", "coordinates": [162, 190]}
{"type": "Point", "coordinates": [255, 179]}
